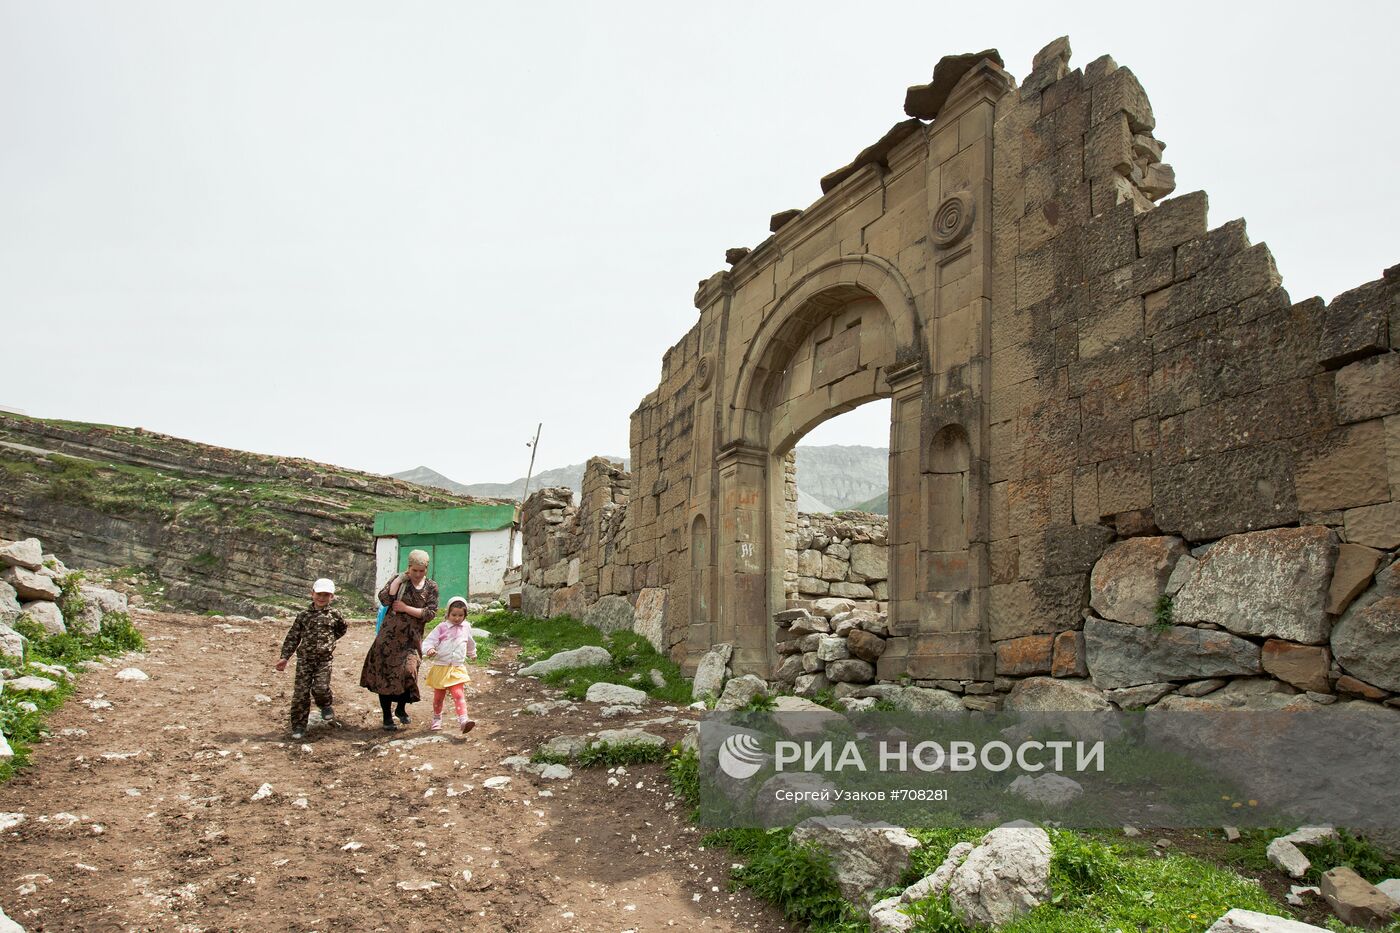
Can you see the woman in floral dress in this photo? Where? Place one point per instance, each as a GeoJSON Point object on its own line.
{"type": "Point", "coordinates": [391, 666]}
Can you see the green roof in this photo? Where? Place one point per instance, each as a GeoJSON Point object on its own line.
{"type": "Point", "coordinates": [444, 521]}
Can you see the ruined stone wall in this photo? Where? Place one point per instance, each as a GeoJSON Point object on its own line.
{"type": "Point", "coordinates": [1153, 384]}
{"type": "Point", "coordinates": [1116, 443]}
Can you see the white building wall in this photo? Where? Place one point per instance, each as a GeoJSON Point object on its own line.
{"type": "Point", "coordinates": [386, 562]}
{"type": "Point", "coordinates": [488, 562]}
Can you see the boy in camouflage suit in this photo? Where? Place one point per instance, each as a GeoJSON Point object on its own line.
{"type": "Point", "coordinates": [312, 639]}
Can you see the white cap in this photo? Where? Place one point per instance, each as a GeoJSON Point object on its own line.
{"type": "Point", "coordinates": [323, 586]}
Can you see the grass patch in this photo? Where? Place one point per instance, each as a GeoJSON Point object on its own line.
{"type": "Point", "coordinates": [116, 635]}
{"type": "Point", "coordinates": [796, 879]}
{"type": "Point", "coordinates": [634, 658]}
{"type": "Point", "coordinates": [1355, 851]}
{"type": "Point", "coordinates": [683, 770]}
{"type": "Point", "coordinates": [610, 755]}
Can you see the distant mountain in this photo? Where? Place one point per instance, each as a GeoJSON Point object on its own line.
{"type": "Point", "coordinates": [571, 476]}
{"type": "Point", "coordinates": [426, 476]}
{"type": "Point", "coordinates": [829, 479]}
{"type": "Point", "coordinates": [843, 476]}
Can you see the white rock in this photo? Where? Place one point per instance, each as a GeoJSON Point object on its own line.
{"type": "Point", "coordinates": [132, 674]}
{"type": "Point", "coordinates": [9, 821]}
{"type": "Point", "coordinates": [1296, 894]}
{"type": "Point", "coordinates": [711, 672]}
{"type": "Point", "coordinates": [1287, 858]}
{"type": "Point", "coordinates": [937, 881]}
{"type": "Point", "coordinates": [1249, 921]}
{"type": "Point", "coordinates": [556, 773]}
{"type": "Point", "coordinates": [864, 857]}
{"type": "Point", "coordinates": [5, 750]}
{"type": "Point", "coordinates": [262, 793]}
{"type": "Point", "coordinates": [352, 846]}
{"type": "Point", "coordinates": [1390, 887]}
{"type": "Point", "coordinates": [587, 656]}
{"type": "Point", "coordinates": [31, 682]}
{"type": "Point", "coordinates": [496, 783]}
{"type": "Point", "coordinates": [46, 614]}
{"type": "Point", "coordinates": [1053, 790]}
{"type": "Point", "coordinates": [417, 885]}
{"type": "Point", "coordinates": [740, 691]}
{"type": "Point", "coordinates": [1006, 875]}
{"type": "Point", "coordinates": [9, 926]}
{"type": "Point", "coordinates": [1311, 835]}
{"type": "Point", "coordinates": [614, 694]}
{"type": "Point", "coordinates": [301, 803]}
{"type": "Point", "coordinates": [261, 698]}
{"type": "Point", "coordinates": [28, 553]}
{"type": "Point", "coordinates": [886, 917]}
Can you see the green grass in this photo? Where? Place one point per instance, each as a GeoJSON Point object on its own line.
{"type": "Point", "coordinates": [633, 656]}
{"type": "Point", "coordinates": [796, 879]}
{"type": "Point", "coordinates": [1354, 851]}
{"type": "Point", "coordinates": [683, 770]}
{"type": "Point", "coordinates": [23, 728]}
{"type": "Point", "coordinates": [610, 755]}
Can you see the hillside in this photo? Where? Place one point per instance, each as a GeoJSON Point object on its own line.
{"type": "Point", "coordinates": [221, 529]}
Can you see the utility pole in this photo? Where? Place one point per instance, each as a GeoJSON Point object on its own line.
{"type": "Point", "coordinates": [525, 494]}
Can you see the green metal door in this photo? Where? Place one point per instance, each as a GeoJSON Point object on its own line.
{"type": "Point", "coordinates": [449, 557]}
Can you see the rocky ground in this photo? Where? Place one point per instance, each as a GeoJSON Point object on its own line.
{"type": "Point", "coordinates": [145, 810]}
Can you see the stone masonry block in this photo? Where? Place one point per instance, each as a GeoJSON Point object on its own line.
{"type": "Point", "coordinates": [1344, 469]}
{"type": "Point", "coordinates": [1226, 493]}
{"type": "Point", "coordinates": [1172, 223]}
{"type": "Point", "coordinates": [1122, 92]}
{"type": "Point", "coordinates": [1369, 388]}
{"type": "Point", "coordinates": [1356, 323]}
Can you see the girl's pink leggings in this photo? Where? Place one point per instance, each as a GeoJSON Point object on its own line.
{"type": "Point", "coordinates": [459, 700]}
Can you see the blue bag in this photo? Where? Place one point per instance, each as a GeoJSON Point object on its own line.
{"type": "Point", "coordinates": [379, 622]}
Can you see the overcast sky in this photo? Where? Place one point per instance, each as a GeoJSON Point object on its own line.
{"type": "Point", "coordinates": [386, 234]}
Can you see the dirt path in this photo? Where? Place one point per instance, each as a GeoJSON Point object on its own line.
{"type": "Point", "coordinates": [139, 817]}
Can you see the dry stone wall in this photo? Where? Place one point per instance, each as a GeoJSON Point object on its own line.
{"type": "Point", "coordinates": [1126, 468]}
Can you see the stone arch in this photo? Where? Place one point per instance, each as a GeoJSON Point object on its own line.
{"type": "Point", "coordinates": [814, 296]}
{"type": "Point", "coordinates": [846, 333]}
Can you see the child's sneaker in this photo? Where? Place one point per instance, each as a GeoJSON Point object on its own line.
{"type": "Point", "coordinates": [468, 725]}
{"type": "Point", "coordinates": [298, 735]}
{"type": "Point", "coordinates": [328, 715]}
{"type": "Point", "coordinates": [436, 724]}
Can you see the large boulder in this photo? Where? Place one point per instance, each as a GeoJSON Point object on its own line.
{"type": "Point", "coordinates": [1128, 656]}
{"type": "Point", "coordinates": [28, 554]}
{"type": "Point", "coordinates": [864, 645]}
{"type": "Point", "coordinates": [915, 699]}
{"type": "Point", "coordinates": [1131, 577]}
{"type": "Point", "coordinates": [30, 585]}
{"type": "Point", "coordinates": [1006, 875]}
{"type": "Point", "coordinates": [9, 601]}
{"type": "Point", "coordinates": [710, 673]}
{"type": "Point", "coordinates": [1366, 642]}
{"type": "Point", "coordinates": [649, 618]}
{"type": "Point", "coordinates": [850, 671]}
{"type": "Point", "coordinates": [740, 691]}
{"type": "Point", "coordinates": [1355, 900]}
{"type": "Point", "coordinates": [614, 694]}
{"type": "Point", "coordinates": [610, 614]}
{"type": "Point", "coordinates": [1055, 695]}
{"type": "Point", "coordinates": [1270, 583]}
{"type": "Point", "coordinates": [98, 603]}
{"type": "Point", "coordinates": [587, 656]}
{"type": "Point", "coordinates": [46, 614]}
{"type": "Point", "coordinates": [12, 643]}
{"type": "Point", "coordinates": [627, 737]}
{"type": "Point", "coordinates": [864, 858]}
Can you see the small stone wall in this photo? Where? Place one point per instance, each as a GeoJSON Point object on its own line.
{"type": "Point", "coordinates": [841, 555]}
